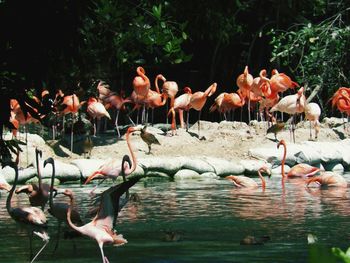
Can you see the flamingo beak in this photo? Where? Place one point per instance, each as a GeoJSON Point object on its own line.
{"type": "Point", "coordinates": [89, 179]}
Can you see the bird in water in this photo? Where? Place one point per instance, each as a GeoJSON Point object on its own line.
{"type": "Point", "coordinates": [148, 138]}
{"type": "Point", "coordinates": [276, 128]}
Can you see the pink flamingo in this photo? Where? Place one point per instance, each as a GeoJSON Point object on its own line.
{"type": "Point", "coordinates": [291, 104]}
{"type": "Point", "coordinates": [329, 179]}
{"type": "Point", "coordinates": [38, 193]}
{"type": "Point", "coordinates": [170, 88]}
{"type": "Point", "coordinates": [312, 113]}
{"type": "Point", "coordinates": [181, 104]}
{"type": "Point", "coordinates": [96, 110]}
{"type": "Point", "coordinates": [244, 181]}
{"type": "Point", "coordinates": [59, 209]}
{"type": "Point", "coordinates": [199, 98]}
{"type": "Point", "coordinates": [141, 85]}
{"type": "Point", "coordinates": [32, 218]}
{"type": "Point", "coordinates": [244, 83]}
{"type": "Point", "coordinates": [280, 82]}
{"type": "Point", "coordinates": [101, 227]}
{"type": "Point", "coordinates": [112, 169]}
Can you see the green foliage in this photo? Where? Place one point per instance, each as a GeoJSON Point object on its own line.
{"type": "Point", "coordinates": [7, 147]}
{"type": "Point", "coordinates": [317, 54]}
{"type": "Point", "coordinates": [344, 256]}
{"type": "Point", "coordinates": [121, 34]}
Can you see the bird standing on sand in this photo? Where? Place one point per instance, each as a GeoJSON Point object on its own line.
{"type": "Point", "coordinates": [148, 138]}
{"type": "Point", "coordinates": [276, 128]}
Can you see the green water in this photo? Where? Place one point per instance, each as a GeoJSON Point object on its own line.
{"type": "Point", "coordinates": [209, 217]}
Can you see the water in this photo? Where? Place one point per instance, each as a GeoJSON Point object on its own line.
{"type": "Point", "coordinates": [209, 218]}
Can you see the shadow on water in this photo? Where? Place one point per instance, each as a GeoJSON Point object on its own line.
{"type": "Point", "coordinates": [200, 221]}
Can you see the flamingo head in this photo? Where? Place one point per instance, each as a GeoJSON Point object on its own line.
{"type": "Point", "coordinates": [187, 90]}
{"type": "Point", "coordinates": [274, 72]}
{"type": "Point", "coordinates": [27, 189]}
{"type": "Point", "coordinates": [140, 70]}
{"type": "Point", "coordinates": [265, 169]}
{"type": "Point", "coordinates": [5, 186]}
{"type": "Point", "coordinates": [281, 142]}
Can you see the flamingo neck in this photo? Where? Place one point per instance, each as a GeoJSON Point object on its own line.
{"type": "Point", "coordinates": [160, 76]}
{"type": "Point", "coordinates": [52, 185]}
{"type": "Point", "coordinates": [263, 182]}
{"type": "Point", "coordinates": [69, 213]}
{"type": "Point", "coordinates": [38, 170]}
{"type": "Point", "coordinates": [141, 72]}
{"type": "Point", "coordinates": [133, 157]}
{"type": "Point", "coordinates": [284, 159]}
{"type": "Point", "coordinates": [9, 197]}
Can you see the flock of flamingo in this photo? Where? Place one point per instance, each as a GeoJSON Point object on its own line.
{"type": "Point", "coordinates": [262, 90]}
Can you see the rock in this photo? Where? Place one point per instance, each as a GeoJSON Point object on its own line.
{"type": "Point", "coordinates": [274, 155]}
{"type": "Point", "coordinates": [198, 165]}
{"type": "Point", "coordinates": [235, 125]}
{"type": "Point", "coordinates": [168, 165]}
{"type": "Point", "coordinates": [64, 171]}
{"type": "Point", "coordinates": [204, 126]}
{"type": "Point", "coordinates": [252, 166]}
{"type": "Point", "coordinates": [334, 167]}
{"type": "Point", "coordinates": [87, 166]}
{"type": "Point", "coordinates": [186, 174]}
{"type": "Point", "coordinates": [209, 175]}
{"type": "Point", "coordinates": [23, 174]}
{"type": "Point", "coordinates": [277, 170]}
{"type": "Point", "coordinates": [223, 167]}
{"type": "Point", "coordinates": [333, 122]}
{"type": "Point", "coordinates": [156, 174]}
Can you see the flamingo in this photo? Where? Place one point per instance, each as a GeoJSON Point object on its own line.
{"type": "Point", "coordinates": [69, 104]}
{"type": "Point", "coordinates": [96, 110]}
{"type": "Point", "coordinates": [226, 102]}
{"type": "Point", "coordinates": [112, 169]}
{"type": "Point", "coordinates": [59, 209]}
{"type": "Point", "coordinates": [298, 170]}
{"type": "Point", "coordinates": [329, 179]}
{"type": "Point", "coordinates": [32, 218]}
{"type": "Point", "coordinates": [244, 82]}
{"type": "Point", "coordinates": [38, 193]}
{"type": "Point", "coordinates": [341, 100]}
{"type": "Point", "coordinates": [181, 104]}
{"type": "Point", "coordinates": [292, 104]}
{"type": "Point", "coordinates": [155, 99]}
{"type": "Point", "coordinates": [111, 99]}
{"type": "Point", "coordinates": [141, 85]}
{"type": "Point", "coordinates": [101, 227]}
{"type": "Point", "coordinates": [244, 181]}
{"type": "Point", "coordinates": [312, 113]}
{"type": "Point", "coordinates": [170, 88]}
{"type": "Point", "coordinates": [198, 100]}
{"type": "Point", "coordinates": [280, 82]}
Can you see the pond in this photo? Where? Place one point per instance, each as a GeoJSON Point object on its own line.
{"type": "Point", "coordinates": [206, 220]}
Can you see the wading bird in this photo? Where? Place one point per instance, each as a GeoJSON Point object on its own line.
{"type": "Point", "coordinates": [32, 218]}
{"type": "Point", "coordinates": [181, 104]}
{"type": "Point", "coordinates": [298, 170]}
{"type": "Point", "coordinates": [148, 138]}
{"type": "Point", "coordinates": [312, 113]}
{"type": "Point", "coordinates": [96, 110]}
{"type": "Point", "coordinates": [199, 98]}
{"type": "Point", "coordinates": [38, 193]}
{"type": "Point", "coordinates": [59, 209]}
{"type": "Point", "coordinates": [329, 179]}
{"type": "Point", "coordinates": [244, 181]}
{"type": "Point", "coordinates": [101, 227]}
{"type": "Point", "coordinates": [112, 169]}
{"type": "Point", "coordinates": [244, 83]}
{"type": "Point", "coordinates": [292, 104]}
{"type": "Point", "coordinates": [276, 128]}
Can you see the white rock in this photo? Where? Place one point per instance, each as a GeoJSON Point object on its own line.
{"type": "Point", "coordinates": [252, 166]}
{"type": "Point", "coordinates": [223, 167]}
{"type": "Point", "coordinates": [186, 174]}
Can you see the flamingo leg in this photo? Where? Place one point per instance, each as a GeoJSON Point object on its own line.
{"type": "Point", "coordinates": [41, 249]}
{"type": "Point", "coordinates": [187, 120]}
{"type": "Point", "coordinates": [116, 123]}
{"type": "Point", "coordinates": [199, 126]}
{"type": "Point", "coordinates": [152, 117]}
{"type": "Point", "coordinates": [58, 237]}
{"type": "Point", "coordinates": [31, 245]}
{"type": "Point", "coordinates": [249, 110]}
{"type": "Point", "coordinates": [310, 131]}
{"type": "Point", "coordinates": [102, 253]}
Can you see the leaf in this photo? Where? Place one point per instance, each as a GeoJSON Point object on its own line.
{"type": "Point", "coordinates": [184, 35]}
